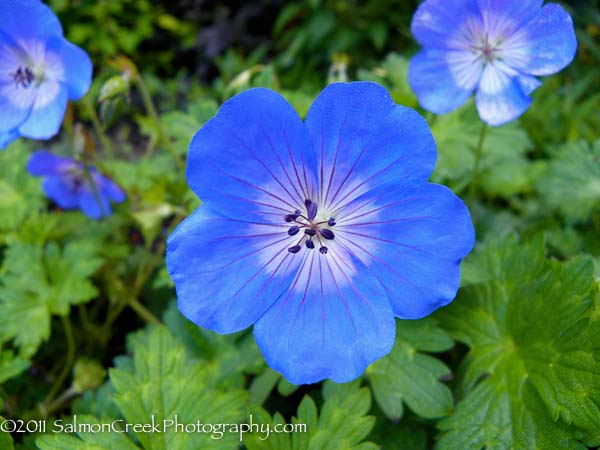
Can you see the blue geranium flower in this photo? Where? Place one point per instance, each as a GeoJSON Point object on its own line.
{"type": "Point", "coordinates": [69, 184]}
{"type": "Point", "coordinates": [318, 233]}
{"type": "Point", "coordinates": [39, 71]}
{"type": "Point", "coordinates": [496, 48]}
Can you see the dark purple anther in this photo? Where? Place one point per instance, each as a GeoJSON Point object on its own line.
{"type": "Point", "coordinates": [310, 244]}
{"type": "Point", "coordinates": [311, 208]}
{"type": "Point", "coordinates": [297, 212]}
{"type": "Point", "coordinates": [331, 222]}
{"type": "Point", "coordinates": [293, 230]}
{"type": "Point", "coordinates": [290, 217]}
{"type": "Point", "coordinates": [323, 250]}
{"type": "Point", "coordinates": [294, 249]}
{"type": "Point", "coordinates": [327, 234]}
{"type": "Point", "coordinates": [310, 232]}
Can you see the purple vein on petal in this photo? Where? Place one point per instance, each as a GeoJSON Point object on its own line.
{"type": "Point", "coordinates": [322, 305]}
{"type": "Point", "coordinates": [293, 161]}
{"type": "Point", "coordinates": [248, 236]}
{"type": "Point", "coordinates": [337, 152]}
{"type": "Point", "coordinates": [283, 166]}
{"type": "Point", "coordinates": [277, 180]}
{"type": "Point", "coordinates": [253, 186]}
{"type": "Point", "coordinates": [376, 174]}
{"type": "Point", "coordinates": [355, 164]}
{"type": "Point", "coordinates": [322, 169]}
{"type": "Point", "coordinates": [351, 284]}
{"type": "Point", "coordinates": [247, 255]}
{"type": "Point", "coordinates": [255, 202]}
{"type": "Point", "coordinates": [264, 266]}
{"type": "Point", "coordinates": [381, 222]}
{"type": "Point", "coordinates": [272, 276]}
{"type": "Point", "coordinates": [342, 296]}
{"type": "Point", "coordinates": [379, 208]}
{"type": "Point", "coordinates": [387, 241]}
{"type": "Point", "coordinates": [308, 280]}
{"type": "Point", "coordinates": [375, 258]}
{"type": "Point", "coordinates": [289, 294]}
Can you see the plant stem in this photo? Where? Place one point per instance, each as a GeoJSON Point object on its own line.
{"type": "Point", "coordinates": [60, 379]}
{"type": "Point", "coordinates": [478, 153]}
{"type": "Point", "coordinates": [142, 311]}
{"type": "Point", "coordinates": [151, 109]}
{"type": "Point", "coordinates": [104, 139]}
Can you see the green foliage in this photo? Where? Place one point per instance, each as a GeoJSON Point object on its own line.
{"type": "Point", "coordinates": [20, 194]}
{"type": "Point", "coordinates": [6, 442]}
{"type": "Point", "coordinates": [341, 424]}
{"type": "Point", "coordinates": [505, 169]}
{"type": "Point", "coordinates": [513, 363]}
{"type": "Point", "coordinates": [158, 384]}
{"type": "Point", "coordinates": [530, 377]}
{"type": "Point", "coordinates": [89, 439]}
{"type": "Point", "coordinates": [571, 183]}
{"type": "Point", "coordinates": [406, 375]}
{"type": "Point", "coordinates": [56, 279]}
{"type": "Point", "coordinates": [11, 365]}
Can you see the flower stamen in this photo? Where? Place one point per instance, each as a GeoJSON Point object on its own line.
{"type": "Point", "coordinates": [23, 77]}
{"type": "Point", "coordinates": [311, 227]}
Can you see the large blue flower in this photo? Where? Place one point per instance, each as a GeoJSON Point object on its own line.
{"type": "Point", "coordinates": [318, 233]}
{"type": "Point", "coordinates": [67, 182]}
{"type": "Point", "coordinates": [496, 48]}
{"type": "Point", "coordinates": [39, 71]}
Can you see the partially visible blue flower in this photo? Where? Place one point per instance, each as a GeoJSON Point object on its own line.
{"type": "Point", "coordinates": [39, 71]}
{"type": "Point", "coordinates": [318, 233]}
{"type": "Point", "coordinates": [66, 182]}
{"type": "Point", "coordinates": [495, 48]}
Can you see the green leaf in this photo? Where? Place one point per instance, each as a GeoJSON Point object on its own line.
{"type": "Point", "coordinates": [11, 365]}
{"type": "Point", "coordinates": [572, 182]}
{"type": "Point", "coordinates": [505, 170]}
{"type": "Point", "coordinates": [532, 374]}
{"type": "Point", "coordinates": [20, 193]}
{"type": "Point", "coordinates": [6, 442]}
{"type": "Point", "coordinates": [56, 279]}
{"type": "Point", "coordinates": [228, 357]}
{"type": "Point", "coordinates": [163, 384]}
{"type": "Point", "coordinates": [408, 376]}
{"type": "Point", "coordinates": [342, 424]}
{"type": "Point", "coordinates": [88, 436]}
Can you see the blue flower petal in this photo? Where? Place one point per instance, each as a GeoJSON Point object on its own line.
{"type": "Point", "coordinates": [363, 139]}
{"type": "Point", "coordinates": [93, 205]}
{"type": "Point", "coordinates": [47, 114]}
{"type": "Point", "coordinates": [333, 322]}
{"type": "Point", "coordinates": [15, 102]}
{"type": "Point", "coordinates": [77, 64]}
{"type": "Point", "coordinates": [60, 189]}
{"type": "Point", "coordinates": [108, 188]}
{"type": "Point", "coordinates": [253, 156]}
{"type": "Point", "coordinates": [443, 80]}
{"type": "Point", "coordinates": [228, 272]}
{"type": "Point", "coordinates": [7, 137]}
{"type": "Point", "coordinates": [501, 18]}
{"type": "Point", "coordinates": [545, 45]}
{"type": "Point", "coordinates": [43, 163]}
{"type": "Point", "coordinates": [500, 97]}
{"type": "Point", "coordinates": [412, 241]}
{"type": "Point", "coordinates": [28, 18]}
{"type": "Point", "coordinates": [528, 83]}
{"type": "Point", "coordinates": [437, 22]}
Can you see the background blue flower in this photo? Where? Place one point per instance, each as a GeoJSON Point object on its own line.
{"type": "Point", "coordinates": [318, 233]}
{"type": "Point", "coordinates": [496, 48]}
{"type": "Point", "coordinates": [66, 182]}
{"type": "Point", "coordinates": [39, 71]}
